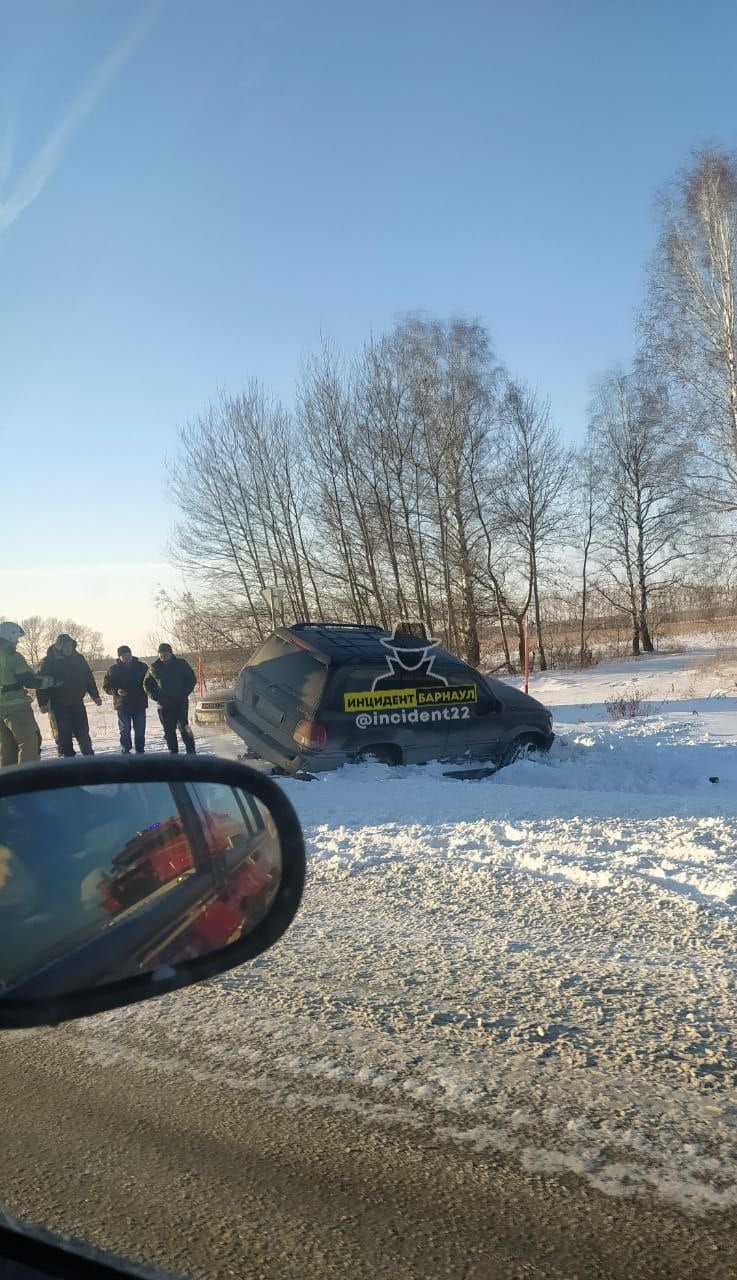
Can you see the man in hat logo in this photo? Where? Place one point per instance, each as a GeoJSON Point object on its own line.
{"type": "Point", "coordinates": [408, 655]}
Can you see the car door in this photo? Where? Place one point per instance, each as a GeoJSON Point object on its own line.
{"type": "Point", "coordinates": [404, 711]}
{"type": "Point", "coordinates": [474, 720]}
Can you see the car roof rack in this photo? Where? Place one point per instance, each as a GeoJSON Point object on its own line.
{"type": "Point", "coordinates": [336, 626]}
{"type": "Point", "coordinates": [340, 641]}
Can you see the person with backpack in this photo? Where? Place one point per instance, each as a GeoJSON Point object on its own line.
{"type": "Point", "coordinates": [73, 678]}
{"type": "Point", "coordinates": [124, 681]}
{"type": "Point", "coordinates": [169, 682]}
{"type": "Point", "coordinates": [20, 737]}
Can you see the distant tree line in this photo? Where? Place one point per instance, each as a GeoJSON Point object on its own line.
{"type": "Point", "coordinates": [420, 479]}
{"type": "Point", "coordinates": [40, 634]}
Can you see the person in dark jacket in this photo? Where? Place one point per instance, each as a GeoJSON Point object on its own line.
{"type": "Point", "coordinates": [124, 680]}
{"type": "Point", "coordinates": [73, 679]}
{"type": "Point", "coordinates": [169, 681]}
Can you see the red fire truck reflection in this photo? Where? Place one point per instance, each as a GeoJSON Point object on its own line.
{"type": "Point", "coordinates": [221, 831]}
{"type": "Point", "coordinates": [232, 911]}
{"type": "Point", "coordinates": [153, 857]}
{"type": "Point", "coordinates": [238, 884]}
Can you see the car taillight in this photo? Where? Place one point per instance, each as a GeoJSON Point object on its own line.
{"type": "Point", "coordinates": [311, 735]}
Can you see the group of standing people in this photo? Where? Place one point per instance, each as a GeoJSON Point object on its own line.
{"type": "Point", "coordinates": [61, 683]}
{"type": "Point", "coordinates": [169, 681]}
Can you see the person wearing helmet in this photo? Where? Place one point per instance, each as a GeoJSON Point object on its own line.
{"type": "Point", "coordinates": [20, 738]}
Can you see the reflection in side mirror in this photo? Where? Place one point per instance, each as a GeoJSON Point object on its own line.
{"type": "Point", "coordinates": [109, 874]}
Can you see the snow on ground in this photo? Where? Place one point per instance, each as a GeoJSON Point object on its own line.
{"type": "Point", "coordinates": [542, 962]}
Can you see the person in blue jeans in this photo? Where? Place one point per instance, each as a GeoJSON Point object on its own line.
{"type": "Point", "coordinates": [124, 681]}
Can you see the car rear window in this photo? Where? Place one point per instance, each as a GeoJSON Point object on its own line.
{"type": "Point", "coordinates": [279, 662]}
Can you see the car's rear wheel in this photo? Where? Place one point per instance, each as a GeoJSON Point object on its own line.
{"type": "Point", "coordinates": [387, 754]}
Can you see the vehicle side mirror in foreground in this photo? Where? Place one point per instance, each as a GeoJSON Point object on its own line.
{"type": "Point", "coordinates": [124, 879]}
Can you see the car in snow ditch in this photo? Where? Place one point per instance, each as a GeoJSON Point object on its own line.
{"type": "Point", "coordinates": [317, 696]}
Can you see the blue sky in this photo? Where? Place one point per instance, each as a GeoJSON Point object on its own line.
{"type": "Point", "coordinates": [192, 191]}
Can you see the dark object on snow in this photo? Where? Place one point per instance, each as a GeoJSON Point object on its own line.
{"type": "Point", "coordinates": [470, 775]}
{"type": "Point", "coordinates": [713, 779]}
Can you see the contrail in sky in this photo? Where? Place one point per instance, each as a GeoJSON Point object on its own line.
{"type": "Point", "coordinates": [32, 181]}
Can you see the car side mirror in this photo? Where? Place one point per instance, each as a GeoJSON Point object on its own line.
{"type": "Point", "coordinates": [123, 880]}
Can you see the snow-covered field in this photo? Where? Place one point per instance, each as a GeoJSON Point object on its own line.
{"type": "Point", "coordinates": [540, 963]}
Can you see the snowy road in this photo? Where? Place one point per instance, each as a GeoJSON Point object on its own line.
{"type": "Point", "coordinates": [219, 1176]}
{"type": "Point", "coordinates": [539, 967]}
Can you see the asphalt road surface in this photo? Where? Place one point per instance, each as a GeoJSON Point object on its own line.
{"type": "Point", "coordinates": [206, 1180]}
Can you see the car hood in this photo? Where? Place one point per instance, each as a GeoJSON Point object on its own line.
{"type": "Point", "coordinates": [519, 700]}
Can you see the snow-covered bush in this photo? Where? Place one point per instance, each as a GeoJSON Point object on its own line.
{"type": "Point", "coordinates": [626, 706]}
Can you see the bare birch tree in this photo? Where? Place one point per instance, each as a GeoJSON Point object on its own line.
{"type": "Point", "coordinates": [588, 498]}
{"type": "Point", "coordinates": [455, 378]}
{"type": "Point", "coordinates": [40, 634]}
{"type": "Point", "coordinates": [34, 644]}
{"type": "Point", "coordinates": [690, 325]}
{"type": "Point", "coordinates": [239, 483]}
{"type": "Point", "coordinates": [394, 442]}
{"type": "Point", "coordinates": [641, 462]}
{"type": "Point", "coordinates": [350, 557]}
{"type": "Point", "coordinates": [533, 471]}
{"type": "Point", "coordinates": [398, 489]}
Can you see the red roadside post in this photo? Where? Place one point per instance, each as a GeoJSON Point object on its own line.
{"type": "Point", "coordinates": [527, 658]}
{"type": "Point", "coordinates": [200, 674]}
